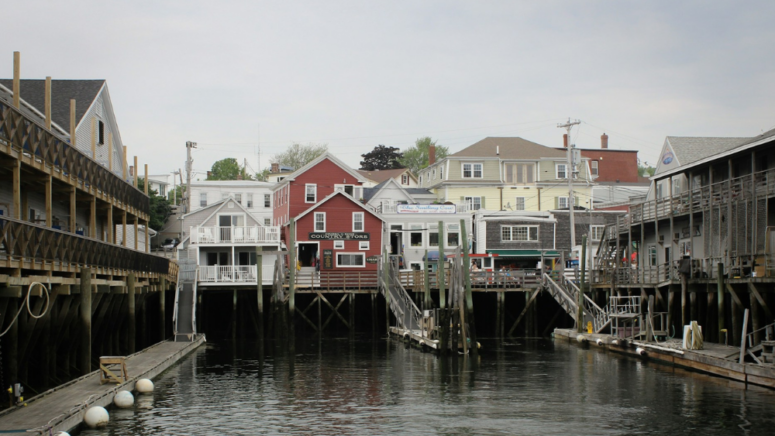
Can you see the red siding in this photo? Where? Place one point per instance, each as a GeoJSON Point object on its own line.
{"type": "Point", "coordinates": [614, 165]}
{"type": "Point", "coordinates": [339, 211]}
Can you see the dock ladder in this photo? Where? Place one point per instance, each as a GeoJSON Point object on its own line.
{"type": "Point", "coordinates": [184, 315]}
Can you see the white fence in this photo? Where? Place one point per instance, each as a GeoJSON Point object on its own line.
{"type": "Point", "coordinates": [235, 235]}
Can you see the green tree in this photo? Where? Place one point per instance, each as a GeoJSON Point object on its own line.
{"type": "Point", "coordinates": [381, 158]}
{"type": "Point", "coordinates": [227, 169]}
{"type": "Point", "coordinates": [416, 158]}
{"type": "Point", "coordinates": [298, 155]}
{"type": "Point", "coordinates": [645, 170]}
{"type": "Point", "coordinates": [160, 206]}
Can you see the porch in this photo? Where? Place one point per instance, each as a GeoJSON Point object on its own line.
{"type": "Point", "coordinates": [235, 235]}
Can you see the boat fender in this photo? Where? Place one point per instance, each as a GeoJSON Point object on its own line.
{"type": "Point", "coordinates": [599, 342]}
{"type": "Point", "coordinates": [640, 351]}
{"type": "Point", "coordinates": [582, 339]}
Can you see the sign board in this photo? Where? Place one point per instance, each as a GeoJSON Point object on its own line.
{"type": "Point", "coordinates": [372, 259]}
{"type": "Point", "coordinates": [328, 259]}
{"type": "Point", "coordinates": [339, 236]}
{"type": "Point", "coordinates": [425, 208]}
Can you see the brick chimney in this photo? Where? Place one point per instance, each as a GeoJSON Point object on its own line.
{"type": "Point", "coordinates": [275, 168]}
{"type": "Point", "coordinates": [431, 154]}
{"type": "Point", "coordinates": [604, 141]}
{"type": "Point", "coordinates": [131, 170]}
{"type": "Point", "coordinates": [565, 140]}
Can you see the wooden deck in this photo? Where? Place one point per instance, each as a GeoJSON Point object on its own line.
{"type": "Point", "coordinates": [62, 408]}
{"type": "Point", "coordinates": [715, 359]}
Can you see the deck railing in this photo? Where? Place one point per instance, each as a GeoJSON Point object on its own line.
{"type": "Point", "coordinates": [235, 235]}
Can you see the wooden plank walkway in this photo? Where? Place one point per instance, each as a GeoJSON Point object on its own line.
{"type": "Point", "coordinates": [63, 408]}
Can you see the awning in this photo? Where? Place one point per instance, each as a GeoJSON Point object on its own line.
{"type": "Point", "coordinates": [434, 255]}
{"type": "Point", "coordinates": [524, 253]}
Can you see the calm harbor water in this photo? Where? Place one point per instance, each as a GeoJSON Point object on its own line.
{"type": "Point", "coordinates": [531, 387]}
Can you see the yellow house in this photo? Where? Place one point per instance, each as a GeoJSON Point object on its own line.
{"type": "Point", "coordinates": [501, 173]}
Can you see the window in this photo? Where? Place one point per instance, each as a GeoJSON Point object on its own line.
{"type": "Point", "coordinates": [415, 236]}
{"type": "Point", "coordinates": [249, 200]}
{"type": "Point", "coordinates": [238, 198]}
{"type": "Point", "coordinates": [363, 245]}
{"type": "Point", "coordinates": [163, 190]}
{"type": "Point", "coordinates": [474, 203]}
{"type": "Point", "coordinates": [357, 221]}
{"type": "Point", "coordinates": [320, 221]}
{"type": "Point", "coordinates": [267, 222]}
{"type": "Point", "coordinates": [652, 256]}
{"type": "Point", "coordinates": [472, 171]}
{"type": "Point", "coordinates": [267, 200]}
{"type": "Point", "coordinates": [519, 233]}
{"type": "Point", "coordinates": [338, 245]}
{"type": "Point", "coordinates": [677, 185]}
{"type": "Point", "coordinates": [404, 179]}
{"type": "Point", "coordinates": [596, 232]}
{"type": "Point", "coordinates": [433, 235]}
{"type": "Point", "coordinates": [311, 193]}
{"type": "Point", "coordinates": [101, 132]}
{"type": "Point", "coordinates": [562, 202]}
{"type": "Point", "coordinates": [351, 259]}
{"type": "Point", "coordinates": [593, 167]}
{"type": "Point", "coordinates": [562, 171]}
{"type": "Point", "coordinates": [203, 199]}
{"type": "Point", "coordinates": [522, 173]}
{"type": "Point", "coordinates": [441, 172]}
{"type": "Point", "coordinates": [420, 179]}
{"type": "Point", "coordinates": [453, 235]}
{"type": "Point", "coordinates": [519, 203]}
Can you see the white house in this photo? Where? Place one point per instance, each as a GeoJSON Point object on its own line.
{"type": "Point", "coordinates": [254, 197]}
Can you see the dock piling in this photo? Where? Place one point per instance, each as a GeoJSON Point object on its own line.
{"type": "Point", "coordinates": [85, 315]}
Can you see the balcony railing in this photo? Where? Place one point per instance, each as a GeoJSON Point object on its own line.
{"type": "Point", "coordinates": [392, 208]}
{"type": "Point", "coordinates": [235, 235]}
{"type": "Point", "coordinates": [226, 274]}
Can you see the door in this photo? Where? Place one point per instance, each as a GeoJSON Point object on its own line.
{"type": "Point", "coordinates": [668, 263]}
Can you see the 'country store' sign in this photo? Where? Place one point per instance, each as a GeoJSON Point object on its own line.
{"type": "Point", "coordinates": [338, 236]}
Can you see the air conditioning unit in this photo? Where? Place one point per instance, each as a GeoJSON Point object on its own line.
{"type": "Point", "coordinates": [661, 239]}
{"type": "Point", "coordinates": [676, 236]}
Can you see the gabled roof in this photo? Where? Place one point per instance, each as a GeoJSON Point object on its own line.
{"type": "Point", "coordinates": [509, 148]}
{"type": "Point", "coordinates": [379, 176]}
{"type": "Point", "coordinates": [387, 184]}
{"type": "Point", "coordinates": [330, 196]}
{"type": "Point", "coordinates": [316, 161]}
{"type": "Point", "coordinates": [690, 149]}
{"type": "Point", "coordinates": [62, 91]}
{"type": "Point", "coordinates": [218, 205]}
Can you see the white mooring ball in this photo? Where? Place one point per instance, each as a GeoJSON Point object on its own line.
{"type": "Point", "coordinates": [144, 386]}
{"type": "Point", "coordinates": [96, 417]}
{"type": "Point", "coordinates": [124, 399]}
{"type": "Point", "coordinates": [62, 433]}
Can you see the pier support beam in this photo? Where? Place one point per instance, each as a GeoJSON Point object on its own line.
{"type": "Point", "coordinates": [720, 296]}
{"type": "Point", "coordinates": [163, 309]}
{"type": "Point", "coordinates": [132, 329]}
{"type": "Point", "coordinates": [670, 306]}
{"type": "Point", "coordinates": [260, 290]}
{"type": "Point", "coordinates": [85, 315]}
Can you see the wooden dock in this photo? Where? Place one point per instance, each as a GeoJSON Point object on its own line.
{"type": "Point", "coordinates": [715, 359]}
{"type": "Point", "coordinates": [63, 408]}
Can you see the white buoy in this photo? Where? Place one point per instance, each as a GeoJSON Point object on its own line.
{"type": "Point", "coordinates": [96, 417]}
{"type": "Point", "coordinates": [640, 351]}
{"type": "Point", "coordinates": [124, 399]}
{"type": "Point", "coordinates": [615, 342]}
{"type": "Point", "coordinates": [144, 386]}
{"type": "Point", "coordinates": [599, 342]}
{"type": "Point", "coordinates": [62, 433]}
{"type": "Point", "coordinates": [581, 338]}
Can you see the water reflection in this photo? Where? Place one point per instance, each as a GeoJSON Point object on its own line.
{"type": "Point", "coordinates": [365, 386]}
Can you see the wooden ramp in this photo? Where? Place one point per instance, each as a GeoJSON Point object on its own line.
{"type": "Point", "coordinates": [63, 408]}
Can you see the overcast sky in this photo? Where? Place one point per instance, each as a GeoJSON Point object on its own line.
{"type": "Point", "coordinates": [233, 75]}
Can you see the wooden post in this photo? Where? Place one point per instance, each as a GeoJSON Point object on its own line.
{"type": "Point", "coordinates": [163, 308]}
{"type": "Point", "coordinates": [683, 299]}
{"type": "Point", "coordinates": [650, 320]}
{"type": "Point", "coordinates": [49, 213]}
{"type": "Point", "coordinates": [11, 344]}
{"type": "Point", "coordinates": [132, 330]}
{"type": "Point", "coordinates": [386, 280]}
{"type": "Point", "coordinates": [440, 279]}
{"type": "Point", "coordinates": [260, 289]}
{"type": "Point", "coordinates": [147, 237]}
{"type": "Point", "coordinates": [16, 78]}
{"type": "Point", "coordinates": [720, 296]}
{"type": "Point", "coordinates": [85, 315]}
{"type": "Point", "coordinates": [111, 229]}
{"type": "Point", "coordinates": [693, 303]}
{"type": "Point", "coordinates": [125, 242]}
{"type": "Point", "coordinates": [93, 217]}
{"type": "Point", "coordinates": [145, 181]}
{"type": "Point", "coordinates": [580, 302]}
{"type": "Point", "coordinates": [72, 209]}
{"type": "Point", "coordinates": [17, 188]}
{"type": "Point", "coordinates": [47, 102]}
{"type": "Point", "coordinates": [469, 298]}
{"type": "Point", "coordinates": [72, 125]}
{"type": "Point", "coordinates": [755, 320]}
{"type": "Point", "coordinates": [134, 173]}
{"type": "Point", "coordinates": [292, 275]}
{"type": "Point", "coordinates": [427, 283]}
{"type": "Point", "coordinates": [743, 337]}
{"type": "Point", "coordinates": [670, 305]}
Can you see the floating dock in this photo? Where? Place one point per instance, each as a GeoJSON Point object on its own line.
{"type": "Point", "coordinates": [715, 359]}
{"type": "Point", "coordinates": [63, 408]}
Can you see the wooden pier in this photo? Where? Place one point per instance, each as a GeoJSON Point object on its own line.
{"type": "Point", "coordinates": [63, 408]}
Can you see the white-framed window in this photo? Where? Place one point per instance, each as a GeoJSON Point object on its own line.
{"type": "Point", "coordinates": [351, 260]}
{"type": "Point", "coordinates": [363, 245]}
{"type": "Point", "coordinates": [653, 255]}
{"type": "Point", "coordinates": [677, 185]}
{"type": "Point", "coordinates": [472, 171]}
{"type": "Point", "coordinates": [420, 179]}
{"type": "Point", "coordinates": [474, 203]}
{"type": "Point", "coordinates": [596, 232]}
{"type": "Point", "coordinates": [519, 233]}
{"type": "Point", "coordinates": [433, 235]}
{"type": "Point", "coordinates": [338, 245]}
{"type": "Point", "coordinates": [249, 200]}
{"type": "Point", "coordinates": [404, 179]}
{"type": "Point", "coordinates": [519, 203]}
{"type": "Point", "coordinates": [562, 171]}
{"type": "Point", "coordinates": [311, 193]}
{"type": "Point", "coordinates": [203, 199]}
{"type": "Point", "coordinates": [434, 173]}
{"type": "Point", "coordinates": [267, 222]}
{"type": "Point", "coordinates": [267, 200]}
{"type": "Point", "coordinates": [593, 167]}
{"type": "Point", "coordinates": [320, 221]}
{"type": "Point", "coordinates": [238, 198]}
{"type": "Point", "coordinates": [520, 173]}
{"type": "Point", "coordinates": [415, 235]}
{"type": "Point", "coordinates": [453, 235]}
{"type": "Point", "coordinates": [358, 221]}
{"type": "Point", "coordinates": [441, 172]}
{"type": "Point", "coordinates": [562, 202]}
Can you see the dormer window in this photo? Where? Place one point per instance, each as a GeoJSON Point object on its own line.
{"type": "Point", "coordinates": [472, 171]}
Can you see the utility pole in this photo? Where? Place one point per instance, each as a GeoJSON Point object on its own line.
{"type": "Point", "coordinates": [189, 169]}
{"type": "Point", "coordinates": [569, 173]}
{"type": "Point", "coordinates": [174, 188]}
